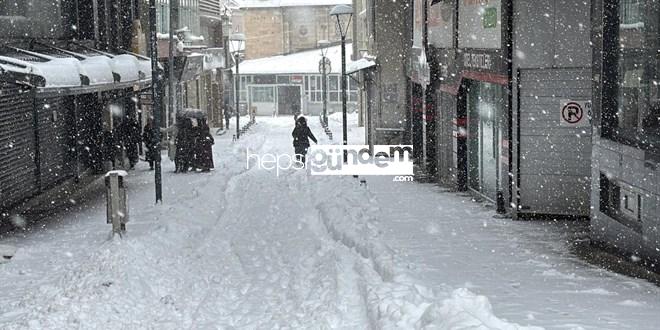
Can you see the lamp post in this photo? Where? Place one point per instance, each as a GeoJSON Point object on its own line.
{"type": "Point", "coordinates": [226, 29]}
{"type": "Point", "coordinates": [325, 63]}
{"type": "Point", "coordinates": [156, 98]}
{"type": "Point", "coordinates": [343, 14]}
{"type": "Point", "coordinates": [236, 41]}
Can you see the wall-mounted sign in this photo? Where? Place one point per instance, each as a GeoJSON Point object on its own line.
{"type": "Point", "coordinates": [477, 61]}
{"type": "Point", "coordinates": [441, 24]}
{"type": "Point", "coordinates": [296, 79]}
{"type": "Point", "coordinates": [480, 24]}
{"type": "Point", "coordinates": [575, 113]}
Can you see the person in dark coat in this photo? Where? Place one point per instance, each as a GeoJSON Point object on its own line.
{"type": "Point", "coordinates": [196, 133]}
{"type": "Point", "coordinates": [108, 148]}
{"type": "Point", "coordinates": [184, 145]}
{"type": "Point", "coordinates": [151, 148]}
{"type": "Point", "coordinates": [204, 146]}
{"type": "Point", "coordinates": [130, 138]}
{"type": "Point", "coordinates": [301, 135]}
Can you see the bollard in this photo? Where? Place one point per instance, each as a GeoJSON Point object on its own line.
{"type": "Point", "coordinates": [117, 204]}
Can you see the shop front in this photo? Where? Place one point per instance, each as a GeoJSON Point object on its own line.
{"type": "Point", "coordinates": [473, 99]}
{"type": "Point", "coordinates": [625, 198]}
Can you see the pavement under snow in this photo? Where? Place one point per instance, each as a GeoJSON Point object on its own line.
{"type": "Point", "coordinates": [247, 248]}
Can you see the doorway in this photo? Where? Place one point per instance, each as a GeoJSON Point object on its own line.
{"type": "Point", "coordinates": [484, 106]}
{"type": "Point", "coordinates": [288, 99]}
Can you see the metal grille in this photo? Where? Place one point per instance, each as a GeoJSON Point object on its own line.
{"type": "Point", "coordinates": [54, 141]}
{"type": "Point", "coordinates": [17, 166]}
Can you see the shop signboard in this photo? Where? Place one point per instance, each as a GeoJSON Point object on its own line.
{"type": "Point", "coordinates": [480, 24]}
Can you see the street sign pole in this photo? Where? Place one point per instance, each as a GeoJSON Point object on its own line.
{"type": "Point", "coordinates": [155, 93]}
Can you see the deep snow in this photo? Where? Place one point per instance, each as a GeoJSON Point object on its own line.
{"type": "Point", "coordinates": [239, 248]}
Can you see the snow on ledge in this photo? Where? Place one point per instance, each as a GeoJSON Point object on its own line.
{"type": "Point", "coordinates": [118, 172]}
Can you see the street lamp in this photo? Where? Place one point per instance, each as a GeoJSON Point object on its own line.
{"type": "Point", "coordinates": [343, 14]}
{"type": "Point", "coordinates": [325, 63]}
{"type": "Point", "coordinates": [236, 41]}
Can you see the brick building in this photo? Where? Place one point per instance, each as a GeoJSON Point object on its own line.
{"type": "Point", "coordinates": [276, 27]}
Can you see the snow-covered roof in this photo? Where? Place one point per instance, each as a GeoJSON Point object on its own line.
{"type": "Point", "coordinates": [303, 62]}
{"type": "Point", "coordinates": [290, 3]}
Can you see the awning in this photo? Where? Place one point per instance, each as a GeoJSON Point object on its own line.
{"type": "Point", "coordinates": [76, 68]}
{"type": "Point", "coordinates": [359, 65]}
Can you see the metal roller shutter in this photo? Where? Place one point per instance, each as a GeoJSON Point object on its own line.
{"type": "Point", "coordinates": [555, 161]}
{"type": "Point", "coordinates": [54, 141]}
{"type": "Point", "coordinates": [17, 165]}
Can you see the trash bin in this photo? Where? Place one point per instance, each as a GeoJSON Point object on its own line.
{"type": "Point", "coordinates": [117, 203]}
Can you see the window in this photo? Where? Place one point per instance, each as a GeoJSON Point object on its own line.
{"type": "Point", "coordinates": [245, 80]}
{"type": "Point", "coordinates": [633, 117]}
{"type": "Point", "coordinates": [263, 94]}
{"type": "Point", "coordinates": [314, 88]}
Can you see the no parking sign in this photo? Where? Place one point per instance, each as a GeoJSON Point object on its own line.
{"type": "Point", "coordinates": [575, 113]}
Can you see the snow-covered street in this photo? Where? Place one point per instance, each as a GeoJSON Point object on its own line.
{"type": "Point", "coordinates": [246, 248]}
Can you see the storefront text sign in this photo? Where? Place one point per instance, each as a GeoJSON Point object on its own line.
{"type": "Point", "coordinates": [477, 61]}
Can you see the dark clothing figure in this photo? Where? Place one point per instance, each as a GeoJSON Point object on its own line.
{"type": "Point", "coordinates": [151, 146]}
{"type": "Point", "coordinates": [130, 138]}
{"type": "Point", "coordinates": [195, 137]}
{"type": "Point", "coordinates": [301, 135]}
{"type": "Point", "coordinates": [204, 148]}
{"type": "Point", "coordinates": [108, 148]}
{"type": "Point", "coordinates": [228, 115]}
{"type": "Point", "coordinates": [184, 146]}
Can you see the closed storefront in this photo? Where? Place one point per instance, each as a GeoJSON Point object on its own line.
{"type": "Point", "coordinates": [17, 153]}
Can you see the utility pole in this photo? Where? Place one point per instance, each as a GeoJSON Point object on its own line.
{"type": "Point", "coordinates": [155, 95]}
{"type": "Point", "coordinates": [174, 7]}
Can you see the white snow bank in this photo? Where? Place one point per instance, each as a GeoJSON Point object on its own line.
{"type": "Point", "coordinates": [394, 300]}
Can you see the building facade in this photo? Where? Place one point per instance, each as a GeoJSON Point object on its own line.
{"type": "Point", "coordinates": [625, 177]}
{"type": "Point", "coordinates": [384, 38]}
{"type": "Point", "coordinates": [276, 27]}
{"type": "Point", "coordinates": [286, 84]}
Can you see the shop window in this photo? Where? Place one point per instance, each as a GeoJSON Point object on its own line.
{"type": "Point", "coordinates": [263, 94]}
{"type": "Point", "coordinates": [633, 115]}
{"type": "Point", "coordinates": [283, 80]}
{"type": "Point", "coordinates": [245, 81]}
{"type": "Point", "coordinates": [314, 88]}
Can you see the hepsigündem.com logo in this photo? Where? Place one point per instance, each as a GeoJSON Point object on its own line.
{"type": "Point", "coordinates": [328, 160]}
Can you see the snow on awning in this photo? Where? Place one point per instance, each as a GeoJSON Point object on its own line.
{"type": "Point", "coordinates": [358, 65]}
{"type": "Point", "coordinates": [75, 67]}
{"type": "Point", "coordinates": [126, 66]}
{"type": "Point", "coordinates": [58, 72]}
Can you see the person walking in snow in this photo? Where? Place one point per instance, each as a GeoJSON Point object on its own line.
{"type": "Point", "coordinates": [184, 144]}
{"type": "Point", "coordinates": [204, 148]}
{"type": "Point", "coordinates": [151, 151]}
{"type": "Point", "coordinates": [301, 135]}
